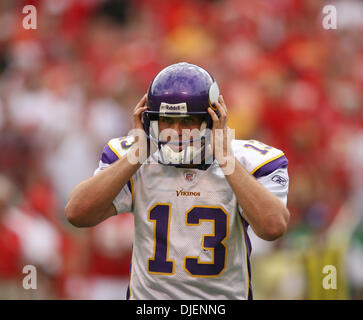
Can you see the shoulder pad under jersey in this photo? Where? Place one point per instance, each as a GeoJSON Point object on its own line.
{"type": "Point", "coordinates": [258, 158]}
{"type": "Point", "coordinates": [116, 148]}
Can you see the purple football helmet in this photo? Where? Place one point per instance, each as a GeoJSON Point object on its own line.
{"type": "Point", "coordinates": [180, 90]}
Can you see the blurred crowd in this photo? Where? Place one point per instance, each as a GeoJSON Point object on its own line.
{"type": "Point", "coordinates": [70, 85]}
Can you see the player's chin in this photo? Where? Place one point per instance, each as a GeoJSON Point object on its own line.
{"type": "Point", "coordinates": [178, 148]}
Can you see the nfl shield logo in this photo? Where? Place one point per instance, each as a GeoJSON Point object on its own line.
{"type": "Point", "coordinates": [189, 175]}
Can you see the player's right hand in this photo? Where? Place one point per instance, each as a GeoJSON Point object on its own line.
{"type": "Point", "coordinates": [140, 143]}
{"type": "Point", "coordinates": [138, 111]}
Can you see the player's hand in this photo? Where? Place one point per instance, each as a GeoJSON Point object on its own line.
{"type": "Point", "coordinates": [222, 149]}
{"type": "Point", "coordinates": [139, 151]}
{"type": "Point", "coordinates": [138, 111]}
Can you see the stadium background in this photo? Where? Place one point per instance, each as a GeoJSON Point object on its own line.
{"type": "Point", "coordinates": [69, 86]}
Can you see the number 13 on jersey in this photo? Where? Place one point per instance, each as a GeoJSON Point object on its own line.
{"type": "Point", "coordinates": [159, 214]}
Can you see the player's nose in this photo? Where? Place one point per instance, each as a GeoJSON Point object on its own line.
{"type": "Point", "coordinates": [177, 127]}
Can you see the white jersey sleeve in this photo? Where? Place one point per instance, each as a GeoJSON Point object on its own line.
{"type": "Point", "coordinates": [115, 149]}
{"type": "Point", "coordinates": [267, 164]}
{"type": "Point", "coordinates": [277, 182]}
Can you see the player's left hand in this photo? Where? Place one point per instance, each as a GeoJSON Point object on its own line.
{"type": "Point", "coordinates": [220, 132]}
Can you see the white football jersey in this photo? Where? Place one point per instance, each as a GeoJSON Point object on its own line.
{"type": "Point", "coordinates": [190, 238]}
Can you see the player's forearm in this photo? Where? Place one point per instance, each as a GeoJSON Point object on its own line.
{"type": "Point", "coordinates": [90, 202]}
{"type": "Point", "coordinates": [265, 213]}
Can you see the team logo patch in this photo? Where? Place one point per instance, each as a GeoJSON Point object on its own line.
{"type": "Point", "coordinates": [189, 175]}
{"type": "Point", "coordinates": [278, 179]}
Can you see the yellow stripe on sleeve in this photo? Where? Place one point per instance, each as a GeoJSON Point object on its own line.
{"type": "Point", "coordinates": [266, 162]}
{"type": "Point", "coordinates": [114, 150]}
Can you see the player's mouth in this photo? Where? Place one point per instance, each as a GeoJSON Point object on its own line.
{"type": "Point", "coordinates": [176, 144]}
{"type": "Point", "coordinates": [176, 147]}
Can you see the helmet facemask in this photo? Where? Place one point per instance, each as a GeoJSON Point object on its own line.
{"type": "Point", "coordinates": [189, 148]}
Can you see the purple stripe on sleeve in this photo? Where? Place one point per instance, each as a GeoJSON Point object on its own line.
{"type": "Point", "coordinates": [269, 167]}
{"type": "Point", "coordinates": [128, 293]}
{"type": "Point", "coordinates": [249, 249]}
{"type": "Point", "coordinates": [129, 185]}
{"type": "Point", "coordinates": [108, 156]}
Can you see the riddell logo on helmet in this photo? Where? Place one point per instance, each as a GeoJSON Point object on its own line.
{"type": "Point", "coordinates": [177, 107]}
{"type": "Point", "coordinates": [172, 107]}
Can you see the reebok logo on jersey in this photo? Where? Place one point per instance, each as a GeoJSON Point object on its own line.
{"type": "Point", "coordinates": [278, 179]}
{"type": "Point", "coordinates": [183, 193]}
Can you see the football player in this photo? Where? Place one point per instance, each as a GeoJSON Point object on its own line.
{"type": "Point", "coordinates": [191, 215]}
